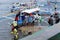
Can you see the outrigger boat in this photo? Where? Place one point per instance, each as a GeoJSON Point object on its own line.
{"type": "Point", "coordinates": [29, 29]}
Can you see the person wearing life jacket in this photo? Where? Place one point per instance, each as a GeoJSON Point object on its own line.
{"type": "Point", "coordinates": [17, 16]}
{"type": "Point", "coordinates": [14, 25]}
{"type": "Point", "coordinates": [15, 33]}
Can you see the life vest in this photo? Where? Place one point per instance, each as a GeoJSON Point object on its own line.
{"type": "Point", "coordinates": [14, 23]}
{"type": "Point", "coordinates": [16, 18]}
{"type": "Point", "coordinates": [15, 31]}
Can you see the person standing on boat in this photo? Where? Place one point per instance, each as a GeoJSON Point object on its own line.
{"type": "Point", "coordinates": [50, 20]}
{"type": "Point", "coordinates": [56, 18]}
{"type": "Point", "coordinates": [17, 16]}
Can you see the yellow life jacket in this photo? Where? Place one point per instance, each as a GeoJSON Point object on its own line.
{"type": "Point", "coordinates": [16, 36]}
{"type": "Point", "coordinates": [15, 32]}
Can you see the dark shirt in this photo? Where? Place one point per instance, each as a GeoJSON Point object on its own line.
{"type": "Point", "coordinates": [50, 21]}
{"type": "Point", "coordinates": [23, 17]}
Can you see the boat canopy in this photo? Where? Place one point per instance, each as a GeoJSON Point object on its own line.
{"type": "Point", "coordinates": [31, 10]}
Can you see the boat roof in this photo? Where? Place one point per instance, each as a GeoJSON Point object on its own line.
{"type": "Point", "coordinates": [31, 10]}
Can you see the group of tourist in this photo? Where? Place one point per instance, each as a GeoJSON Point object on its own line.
{"type": "Point", "coordinates": [24, 19]}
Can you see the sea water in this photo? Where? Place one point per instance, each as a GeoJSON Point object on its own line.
{"type": "Point", "coordinates": [6, 5]}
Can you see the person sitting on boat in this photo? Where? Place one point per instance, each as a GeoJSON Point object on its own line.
{"type": "Point", "coordinates": [26, 19]}
{"type": "Point", "coordinates": [40, 18]}
{"type": "Point", "coordinates": [30, 20]}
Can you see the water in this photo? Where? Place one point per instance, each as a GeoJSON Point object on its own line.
{"type": "Point", "coordinates": [6, 5]}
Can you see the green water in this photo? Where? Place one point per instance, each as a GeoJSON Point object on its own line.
{"type": "Point", "coordinates": [56, 37]}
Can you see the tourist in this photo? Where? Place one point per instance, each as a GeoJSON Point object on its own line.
{"type": "Point", "coordinates": [56, 18]}
{"type": "Point", "coordinates": [50, 20]}
{"type": "Point", "coordinates": [17, 16]}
